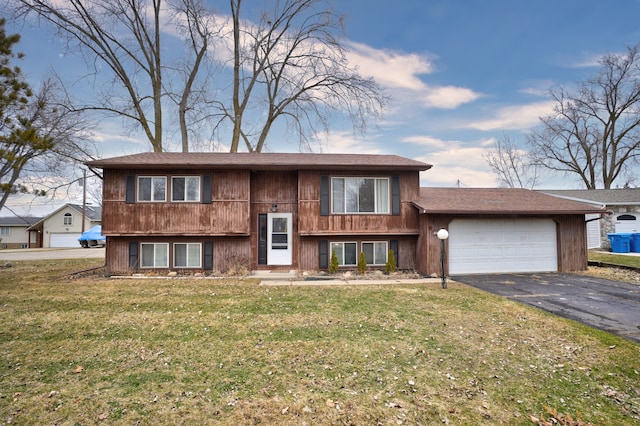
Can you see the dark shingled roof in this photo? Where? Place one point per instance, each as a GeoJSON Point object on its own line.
{"type": "Point", "coordinates": [610, 197]}
{"type": "Point", "coordinates": [497, 201]}
{"type": "Point", "coordinates": [259, 161]}
{"type": "Point", "coordinates": [18, 220]}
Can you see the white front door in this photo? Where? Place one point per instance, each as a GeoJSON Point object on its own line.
{"type": "Point", "coordinates": [279, 250]}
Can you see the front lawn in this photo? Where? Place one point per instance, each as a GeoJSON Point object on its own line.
{"type": "Point", "coordinates": [614, 259]}
{"type": "Point", "coordinates": [92, 350]}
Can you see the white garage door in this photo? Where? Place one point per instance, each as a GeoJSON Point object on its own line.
{"type": "Point", "coordinates": [627, 223]}
{"type": "Point", "coordinates": [502, 245]}
{"type": "Point", "coordinates": [64, 240]}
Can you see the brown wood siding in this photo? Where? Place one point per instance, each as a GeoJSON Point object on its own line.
{"type": "Point", "coordinates": [428, 246]}
{"type": "Point", "coordinates": [267, 189]}
{"type": "Point", "coordinates": [572, 243]}
{"type": "Point", "coordinates": [228, 214]}
{"type": "Point", "coordinates": [227, 252]}
{"type": "Point", "coordinates": [312, 223]}
{"type": "Point", "coordinates": [309, 254]}
{"type": "Point", "coordinates": [571, 238]}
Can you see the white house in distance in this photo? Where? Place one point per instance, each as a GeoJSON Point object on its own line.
{"type": "Point", "coordinates": [14, 232]}
{"type": "Point", "coordinates": [63, 227]}
{"type": "Point", "coordinates": [623, 203]}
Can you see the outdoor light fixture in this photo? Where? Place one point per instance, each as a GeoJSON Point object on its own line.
{"type": "Point", "coordinates": [274, 207]}
{"type": "Point", "coordinates": [442, 234]}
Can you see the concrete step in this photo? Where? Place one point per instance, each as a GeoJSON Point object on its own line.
{"type": "Point", "coordinates": [274, 275]}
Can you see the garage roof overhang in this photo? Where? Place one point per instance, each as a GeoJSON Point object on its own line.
{"type": "Point", "coordinates": [498, 201]}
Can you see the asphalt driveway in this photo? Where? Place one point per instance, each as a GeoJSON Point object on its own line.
{"type": "Point", "coordinates": [608, 305]}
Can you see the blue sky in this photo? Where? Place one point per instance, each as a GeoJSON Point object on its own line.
{"type": "Point", "coordinates": [461, 73]}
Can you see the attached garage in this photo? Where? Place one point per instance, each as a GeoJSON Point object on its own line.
{"type": "Point", "coordinates": [64, 240]}
{"type": "Point", "coordinates": [502, 245]}
{"type": "Point", "coordinates": [501, 230]}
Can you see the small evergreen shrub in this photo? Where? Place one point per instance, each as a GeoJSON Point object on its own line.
{"type": "Point", "coordinates": [390, 266]}
{"type": "Point", "coordinates": [333, 263]}
{"type": "Point", "coordinates": [362, 263]}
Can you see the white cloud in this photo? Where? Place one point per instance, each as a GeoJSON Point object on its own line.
{"type": "Point", "coordinates": [515, 117]}
{"type": "Point", "coordinates": [464, 166]}
{"type": "Point", "coordinates": [447, 97]}
{"type": "Point", "coordinates": [399, 72]}
{"type": "Point", "coordinates": [428, 141]}
{"type": "Point", "coordinates": [347, 143]}
{"type": "Point", "coordinates": [391, 69]}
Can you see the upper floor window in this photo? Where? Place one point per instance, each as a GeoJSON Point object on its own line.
{"type": "Point", "coordinates": [185, 188]}
{"type": "Point", "coordinates": [152, 188]}
{"type": "Point", "coordinates": [67, 220]}
{"type": "Point", "coordinates": [359, 195]}
{"type": "Point", "coordinates": [5, 230]}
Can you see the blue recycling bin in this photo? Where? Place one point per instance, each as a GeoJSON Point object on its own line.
{"type": "Point", "coordinates": [635, 243]}
{"type": "Point", "coordinates": [620, 243]}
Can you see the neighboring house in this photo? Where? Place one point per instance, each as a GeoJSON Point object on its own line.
{"type": "Point", "coordinates": [208, 211]}
{"type": "Point", "coordinates": [624, 205]}
{"type": "Point", "coordinates": [63, 227]}
{"type": "Point", "coordinates": [14, 232]}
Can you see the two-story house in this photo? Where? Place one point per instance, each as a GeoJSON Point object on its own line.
{"type": "Point", "coordinates": [206, 211]}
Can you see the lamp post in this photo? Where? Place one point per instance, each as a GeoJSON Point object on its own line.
{"type": "Point", "coordinates": [442, 234]}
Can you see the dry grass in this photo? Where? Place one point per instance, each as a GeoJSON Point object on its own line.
{"type": "Point", "coordinates": [197, 351]}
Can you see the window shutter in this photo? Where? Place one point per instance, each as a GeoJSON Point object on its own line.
{"type": "Point", "coordinates": [130, 193]}
{"type": "Point", "coordinates": [395, 195]}
{"type": "Point", "coordinates": [206, 189]}
{"type": "Point", "coordinates": [323, 250]}
{"type": "Point", "coordinates": [393, 246]}
{"type": "Point", "coordinates": [133, 255]}
{"type": "Point", "coordinates": [208, 255]}
{"type": "Point", "coordinates": [325, 200]}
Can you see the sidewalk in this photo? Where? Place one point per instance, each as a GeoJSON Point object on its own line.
{"type": "Point", "coordinates": [350, 282]}
{"type": "Point", "coordinates": [270, 278]}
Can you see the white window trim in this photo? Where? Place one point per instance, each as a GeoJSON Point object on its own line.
{"type": "Point", "coordinates": [376, 178]}
{"type": "Point", "coordinates": [5, 230]}
{"type": "Point", "coordinates": [331, 243]}
{"type": "Point", "coordinates": [152, 200]}
{"type": "Point", "coordinates": [64, 219]}
{"type": "Point", "coordinates": [154, 256]}
{"type": "Point", "coordinates": [386, 251]}
{"type": "Point", "coordinates": [186, 266]}
{"type": "Point", "coordinates": [197, 200]}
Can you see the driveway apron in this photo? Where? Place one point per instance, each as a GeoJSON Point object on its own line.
{"type": "Point", "coordinates": [607, 305]}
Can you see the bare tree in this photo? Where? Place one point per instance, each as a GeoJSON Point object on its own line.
{"type": "Point", "coordinates": [511, 164]}
{"type": "Point", "coordinates": [20, 140]}
{"type": "Point", "coordinates": [50, 141]}
{"type": "Point", "coordinates": [594, 132]}
{"type": "Point", "coordinates": [292, 65]}
{"type": "Point", "coordinates": [126, 36]}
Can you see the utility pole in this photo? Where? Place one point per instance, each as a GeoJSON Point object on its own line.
{"type": "Point", "coordinates": [84, 198]}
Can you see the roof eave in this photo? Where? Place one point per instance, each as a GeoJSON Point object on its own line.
{"type": "Point", "coordinates": [509, 212]}
{"type": "Point", "coordinates": [266, 167]}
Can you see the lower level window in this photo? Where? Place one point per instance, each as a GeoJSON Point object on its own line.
{"type": "Point", "coordinates": [346, 253]}
{"type": "Point", "coordinates": [154, 255]}
{"type": "Point", "coordinates": [187, 255]}
{"type": "Point", "coordinates": [375, 253]}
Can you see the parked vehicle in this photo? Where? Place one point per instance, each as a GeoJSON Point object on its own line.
{"type": "Point", "coordinates": [93, 238]}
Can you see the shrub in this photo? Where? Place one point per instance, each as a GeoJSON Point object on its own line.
{"type": "Point", "coordinates": [362, 263]}
{"type": "Point", "coordinates": [390, 266]}
{"type": "Point", "coordinates": [333, 263]}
